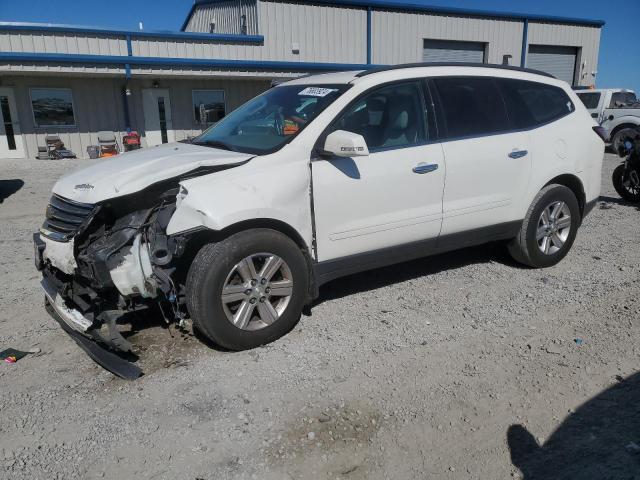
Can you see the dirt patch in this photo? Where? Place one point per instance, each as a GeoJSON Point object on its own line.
{"type": "Point", "coordinates": [343, 433]}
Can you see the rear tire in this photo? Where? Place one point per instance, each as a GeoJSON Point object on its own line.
{"type": "Point", "coordinates": [545, 239]}
{"type": "Point", "coordinates": [228, 319]}
{"type": "Point", "coordinates": [618, 138]}
{"type": "Point", "coordinates": [629, 193]}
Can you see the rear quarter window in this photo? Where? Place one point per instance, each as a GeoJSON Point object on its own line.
{"type": "Point", "coordinates": [532, 104]}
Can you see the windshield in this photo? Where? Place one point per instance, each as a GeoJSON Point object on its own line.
{"type": "Point", "coordinates": [269, 121]}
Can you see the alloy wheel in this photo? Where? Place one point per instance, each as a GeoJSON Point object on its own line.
{"type": "Point", "coordinates": [554, 226]}
{"type": "Point", "coordinates": [257, 291]}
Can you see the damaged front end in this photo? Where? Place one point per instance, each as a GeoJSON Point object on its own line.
{"type": "Point", "coordinates": [100, 262]}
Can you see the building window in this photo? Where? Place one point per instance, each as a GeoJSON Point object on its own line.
{"type": "Point", "coordinates": [52, 107]}
{"type": "Point", "coordinates": [208, 106]}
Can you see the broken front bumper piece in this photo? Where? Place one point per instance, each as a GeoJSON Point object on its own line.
{"type": "Point", "coordinates": [99, 344]}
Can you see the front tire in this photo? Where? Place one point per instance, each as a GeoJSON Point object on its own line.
{"type": "Point", "coordinates": [549, 228]}
{"type": "Point", "coordinates": [628, 188]}
{"type": "Point", "coordinates": [247, 290]}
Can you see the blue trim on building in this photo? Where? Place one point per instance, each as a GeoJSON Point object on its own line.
{"type": "Point", "coordinates": [184, 62]}
{"type": "Point", "coordinates": [525, 43]}
{"type": "Point", "coordinates": [418, 7]}
{"type": "Point", "coordinates": [368, 35]}
{"type": "Point", "coordinates": [49, 27]}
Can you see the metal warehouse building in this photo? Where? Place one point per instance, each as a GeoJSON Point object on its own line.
{"type": "Point", "coordinates": [75, 81]}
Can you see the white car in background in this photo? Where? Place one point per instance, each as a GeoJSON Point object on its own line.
{"type": "Point", "coordinates": [616, 109]}
{"type": "Point", "coordinates": [318, 178]}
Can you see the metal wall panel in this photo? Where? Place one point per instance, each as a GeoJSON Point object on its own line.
{"type": "Point", "coordinates": [558, 61]}
{"type": "Point", "coordinates": [98, 105]}
{"type": "Point", "coordinates": [226, 16]}
{"type": "Point", "coordinates": [586, 39]}
{"type": "Point", "coordinates": [178, 48]}
{"type": "Point", "coordinates": [397, 37]}
{"type": "Point", "coordinates": [237, 92]}
{"type": "Point", "coordinates": [323, 33]}
{"type": "Point", "coordinates": [63, 69]}
{"type": "Point", "coordinates": [453, 51]}
{"type": "Point", "coordinates": [58, 42]}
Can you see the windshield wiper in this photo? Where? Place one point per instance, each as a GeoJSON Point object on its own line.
{"type": "Point", "coordinates": [215, 144]}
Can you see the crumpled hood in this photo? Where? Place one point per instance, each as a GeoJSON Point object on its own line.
{"type": "Point", "coordinates": [136, 170]}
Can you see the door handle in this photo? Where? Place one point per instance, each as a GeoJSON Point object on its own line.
{"type": "Point", "coordinates": [518, 153]}
{"type": "Point", "coordinates": [425, 167]}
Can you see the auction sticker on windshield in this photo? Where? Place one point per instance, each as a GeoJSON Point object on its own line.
{"type": "Point", "coordinates": [316, 91]}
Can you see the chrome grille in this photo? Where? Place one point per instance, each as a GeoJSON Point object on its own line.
{"type": "Point", "coordinates": [64, 217]}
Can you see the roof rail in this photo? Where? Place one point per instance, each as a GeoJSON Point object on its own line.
{"type": "Point", "coordinates": [450, 64]}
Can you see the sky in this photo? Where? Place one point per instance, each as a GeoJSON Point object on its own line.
{"type": "Point", "coordinates": [619, 64]}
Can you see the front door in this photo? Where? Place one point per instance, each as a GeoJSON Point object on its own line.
{"type": "Point", "coordinates": [10, 137]}
{"type": "Point", "coordinates": [391, 197]}
{"type": "Point", "coordinates": [157, 116]}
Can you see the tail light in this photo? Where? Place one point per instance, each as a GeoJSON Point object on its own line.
{"type": "Point", "coordinates": [602, 133]}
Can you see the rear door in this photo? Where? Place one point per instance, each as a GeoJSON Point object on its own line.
{"type": "Point", "coordinates": [391, 197]}
{"type": "Point", "coordinates": [488, 164]}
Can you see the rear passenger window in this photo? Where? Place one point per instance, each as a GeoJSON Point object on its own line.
{"type": "Point", "coordinates": [472, 106]}
{"type": "Point", "coordinates": [532, 104]}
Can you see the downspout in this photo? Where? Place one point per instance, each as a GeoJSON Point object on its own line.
{"type": "Point", "coordinates": [126, 91]}
{"type": "Point", "coordinates": [525, 43]}
{"type": "Point", "coordinates": [369, 35]}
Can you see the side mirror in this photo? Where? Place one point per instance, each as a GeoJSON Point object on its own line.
{"type": "Point", "coordinates": [346, 144]}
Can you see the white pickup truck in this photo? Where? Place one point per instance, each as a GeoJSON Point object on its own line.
{"type": "Point", "coordinates": [614, 108]}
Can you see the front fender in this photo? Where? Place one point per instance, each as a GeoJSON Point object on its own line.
{"type": "Point", "coordinates": [276, 190]}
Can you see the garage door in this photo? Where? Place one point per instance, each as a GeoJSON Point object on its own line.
{"type": "Point", "coordinates": [558, 61]}
{"type": "Point", "coordinates": [453, 51]}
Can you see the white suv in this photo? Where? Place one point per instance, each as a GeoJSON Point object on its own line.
{"type": "Point", "coordinates": [314, 179]}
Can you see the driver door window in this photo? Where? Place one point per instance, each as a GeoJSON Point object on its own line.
{"type": "Point", "coordinates": [389, 117]}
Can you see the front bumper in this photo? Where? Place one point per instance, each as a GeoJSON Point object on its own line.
{"type": "Point", "coordinates": [103, 357]}
{"type": "Point", "coordinates": [100, 340]}
{"type": "Point", "coordinates": [70, 316]}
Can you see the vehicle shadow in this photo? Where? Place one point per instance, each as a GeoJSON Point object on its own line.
{"type": "Point", "coordinates": [401, 272]}
{"type": "Point", "coordinates": [601, 440]}
{"type": "Point", "coordinates": [618, 201]}
{"type": "Point", "coordinates": [9, 187]}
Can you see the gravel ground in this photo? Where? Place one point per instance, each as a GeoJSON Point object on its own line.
{"type": "Point", "coordinates": [462, 365]}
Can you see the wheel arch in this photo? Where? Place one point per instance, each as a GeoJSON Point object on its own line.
{"type": "Point", "coordinates": [620, 127]}
{"type": "Point", "coordinates": [574, 184]}
{"type": "Point", "coordinates": [197, 239]}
